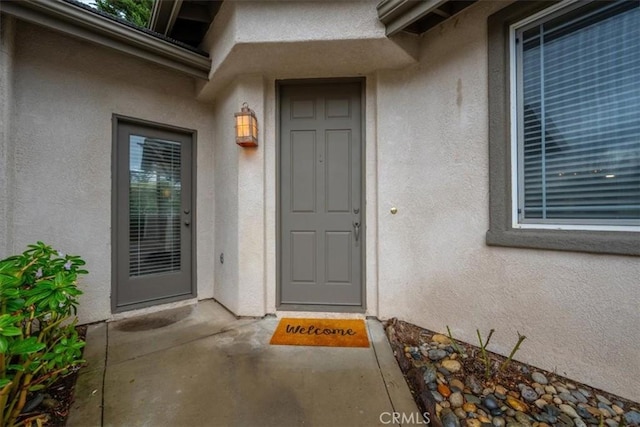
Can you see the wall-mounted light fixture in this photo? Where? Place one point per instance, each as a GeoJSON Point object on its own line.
{"type": "Point", "coordinates": [246, 127]}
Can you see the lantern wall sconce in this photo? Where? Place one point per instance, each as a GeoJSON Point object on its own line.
{"type": "Point", "coordinates": [246, 127]}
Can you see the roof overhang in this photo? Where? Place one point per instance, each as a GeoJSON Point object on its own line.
{"type": "Point", "coordinates": [164, 14]}
{"type": "Point", "coordinates": [78, 22]}
{"type": "Point", "coordinates": [417, 16]}
{"type": "Point", "coordinates": [184, 20]}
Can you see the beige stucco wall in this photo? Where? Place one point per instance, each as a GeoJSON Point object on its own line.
{"type": "Point", "coordinates": [240, 199]}
{"type": "Point", "coordinates": [580, 312]}
{"type": "Point", "coordinates": [65, 94]}
{"type": "Point", "coordinates": [300, 39]}
{"type": "Point", "coordinates": [7, 50]}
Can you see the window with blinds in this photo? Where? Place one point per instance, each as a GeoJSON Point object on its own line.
{"type": "Point", "coordinates": [154, 206]}
{"type": "Point", "coordinates": [577, 109]}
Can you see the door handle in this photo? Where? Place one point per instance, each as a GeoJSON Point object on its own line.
{"type": "Point", "coordinates": [187, 222]}
{"type": "Point", "coordinates": [356, 228]}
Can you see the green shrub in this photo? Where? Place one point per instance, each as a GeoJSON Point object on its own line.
{"type": "Point", "coordinates": [38, 339]}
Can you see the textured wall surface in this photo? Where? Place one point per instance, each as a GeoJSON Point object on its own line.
{"type": "Point", "coordinates": [226, 203]}
{"type": "Point", "coordinates": [579, 311]}
{"type": "Point", "coordinates": [64, 101]}
{"type": "Point", "coordinates": [300, 39]}
{"type": "Point", "coordinates": [7, 49]}
{"type": "Point", "coordinates": [239, 225]}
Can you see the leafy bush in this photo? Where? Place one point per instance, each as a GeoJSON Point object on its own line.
{"type": "Point", "coordinates": [38, 339]}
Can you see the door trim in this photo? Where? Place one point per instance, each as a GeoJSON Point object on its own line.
{"type": "Point", "coordinates": [116, 120]}
{"type": "Point", "coordinates": [363, 294]}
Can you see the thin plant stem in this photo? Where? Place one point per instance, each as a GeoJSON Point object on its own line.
{"type": "Point", "coordinates": [513, 352]}
{"type": "Point", "coordinates": [453, 342]}
{"type": "Point", "coordinates": [486, 343]}
{"type": "Point", "coordinates": [487, 366]}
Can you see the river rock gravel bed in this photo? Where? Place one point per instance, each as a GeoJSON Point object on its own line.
{"type": "Point", "coordinates": [448, 381]}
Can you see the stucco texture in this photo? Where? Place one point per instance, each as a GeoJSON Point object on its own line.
{"type": "Point", "coordinates": [240, 199]}
{"type": "Point", "coordinates": [299, 39]}
{"type": "Point", "coordinates": [7, 50]}
{"type": "Point", "coordinates": [62, 147]}
{"type": "Point", "coordinates": [580, 312]}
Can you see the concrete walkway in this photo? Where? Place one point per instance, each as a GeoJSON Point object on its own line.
{"type": "Point", "coordinates": [200, 366]}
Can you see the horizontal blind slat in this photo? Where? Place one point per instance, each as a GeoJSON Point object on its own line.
{"type": "Point", "coordinates": [582, 159]}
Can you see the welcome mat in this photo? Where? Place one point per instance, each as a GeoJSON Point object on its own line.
{"type": "Point", "coordinates": [321, 332]}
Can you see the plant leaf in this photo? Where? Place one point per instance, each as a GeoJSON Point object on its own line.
{"type": "Point", "coordinates": [30, 345]}
{"type": "Point", "coordinates": [37, 387]}
{"type": "Point", "coordinates": [10, 331]}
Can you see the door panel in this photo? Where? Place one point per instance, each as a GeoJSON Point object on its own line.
{"type": "Point", "coordinates": [321, 217]}
{"type": "Point", "coordinates": [338, 171]}
{"type": "Point", "coordinates": [303, 168]}
{"type": "Point", "coordinates": [153, 215]}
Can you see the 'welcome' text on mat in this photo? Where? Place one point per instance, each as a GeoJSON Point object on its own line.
{"type": "Point", "coordinates": [322, 332]}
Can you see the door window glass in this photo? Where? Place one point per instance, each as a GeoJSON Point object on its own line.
{"type": "Point", "coordinates": [154, 206]}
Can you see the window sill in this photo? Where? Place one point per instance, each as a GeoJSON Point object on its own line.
{"type": "Point", "coordinates": [599, 242]}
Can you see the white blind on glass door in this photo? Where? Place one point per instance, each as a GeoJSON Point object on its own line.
{"type": "Point", "coordinates": [154, 206]}
{"type": "Point", "coordinates": [579, 122]}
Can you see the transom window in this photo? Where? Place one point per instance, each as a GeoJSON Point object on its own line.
{"type": "Point", "coordinates": [575, 117]}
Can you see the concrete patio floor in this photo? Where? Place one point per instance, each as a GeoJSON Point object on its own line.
{"type": "Point", "coordinates": [199, 365]}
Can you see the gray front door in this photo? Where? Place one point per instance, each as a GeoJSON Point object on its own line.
{"type": "Point", "coordinates": [153, 215]}
{"type": "Point", "coordinates": [321, 203]}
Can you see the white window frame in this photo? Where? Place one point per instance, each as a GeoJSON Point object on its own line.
{"type": "Point", "coordinates": [515, 130]}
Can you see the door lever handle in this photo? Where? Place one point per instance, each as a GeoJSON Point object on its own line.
{"type": "Point", "coordinates": [356, 227]}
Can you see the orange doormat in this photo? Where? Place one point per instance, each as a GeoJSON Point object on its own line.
{"type": "Point", "coordinates": [322, 332]}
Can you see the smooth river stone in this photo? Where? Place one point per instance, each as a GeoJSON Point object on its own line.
{"type": "Point", "coordinates": [567, 397]}
{"type": "Point", "coordinates": [441, 339]}
{"type": "Point", "coordinates": [517, 404]}
{"type": "Point", "coordinates": [472, 399]}
{"type": "Point", "coordinates": [429, 375]}
{"type": "Point", "coordinates": [540, 403]}
{"type": "Point", "coordinates": [618, 410]}
{"type": "Point", "coordinates": [568, 410]}
{"type": "Point", "coordinates": [490, 402]}
{"type": "Point", "coordinates": [579, 396]}
{"type": "Point", "coordinates": [473, 384]}
{"type": "Point", "coordinates": [585, 393]}
{"type": "Point", "coordinates": [444, 390]}
{"type": "Point", "coordinates": [456, 399]}
{"type": "Point", "coordinates": [437, 396]}
{"type": "Point", "coordinates": [528, 394]}
{"type": "Point", "coordinates": [539, 378]}
{"type": "Point", "coordinates": [469, 407]}
{"type": "Point", "coordinates": [451, 365]}
{"type": "Point", "coordinates": [456, 383]}
{"type": "Point", "coordinates": [449, 419]}
{"type": "Point", "coordinates": [632, 417]}
{"type": "Point", "coordinates": [579, 422]}
{"type": "Point", "coordinates": [436, 354]}
{"type": "Point", "coordinates": [523, 418]}
{"type": "Point", "coordinates": [460, 413]}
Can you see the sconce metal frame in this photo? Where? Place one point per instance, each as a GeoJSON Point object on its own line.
{"type": "Point", "coordinates": [246, 127]}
